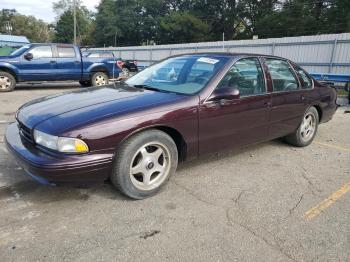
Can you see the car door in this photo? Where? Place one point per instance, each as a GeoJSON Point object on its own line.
{"type": "Point", "coordinates": [41, 67]}
{"type": "Point", "coordinates": [68, 63]}
{"type": "Point", "coordinates": [288, 99]}
{"type": "Point", "coordinates": [229, 123]}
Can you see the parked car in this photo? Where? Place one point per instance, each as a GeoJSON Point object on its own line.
{"type": "Point", "coordinates": [128, 67]}
{"type": "Point", "coordinates": [54, 62]}
{"type": "Point", "coordinates": [135, 133]}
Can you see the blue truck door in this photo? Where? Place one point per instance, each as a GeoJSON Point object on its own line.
{"type": "Point", "coordinates": [42, 67]}
{"type": "Point", "coordinates": [68, 63]}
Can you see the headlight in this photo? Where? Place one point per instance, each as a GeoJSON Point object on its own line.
{"type": "Point", "coordinates": [61, 144]}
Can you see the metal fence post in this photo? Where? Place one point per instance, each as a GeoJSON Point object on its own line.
{"type": "Point", "coordinates": [120, 54]}
{"type": "Point", "coordinates": [332, 56]}
{"type": "Point", "coordinates": [273, 48]}
{"type": "Point", "coordinates": [133, 54]}
{"type": "Point", "coordinates": [170, 51]}
{"type": "Point", "coordinates": [150, 55]}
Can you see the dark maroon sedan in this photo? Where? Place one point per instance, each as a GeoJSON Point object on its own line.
{"type": "Point", "coordinates": [136, 132]}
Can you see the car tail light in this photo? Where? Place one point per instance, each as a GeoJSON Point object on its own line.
{"type": "Point", "coordinates": [120, 64]}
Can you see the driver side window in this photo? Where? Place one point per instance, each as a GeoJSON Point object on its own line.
{"type": "Point", "coordinates": [41, 52]}
{"type": "Point", "coordinates": [247, 76]}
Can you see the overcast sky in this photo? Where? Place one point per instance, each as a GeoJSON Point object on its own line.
{"type": "Point", "coordinates": [41, 9]}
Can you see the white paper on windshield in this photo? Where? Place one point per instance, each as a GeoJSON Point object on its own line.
{"type": "Point", "coordinates": [208, 60]}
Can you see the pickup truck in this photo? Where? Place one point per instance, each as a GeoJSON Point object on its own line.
{"type": "Point", "coordinates": [55, 62]}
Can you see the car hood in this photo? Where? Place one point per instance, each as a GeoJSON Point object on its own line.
{"type": "Point", "coordinates": [89, 104]}
{"type": "Point", "coordinates": [5, 58]}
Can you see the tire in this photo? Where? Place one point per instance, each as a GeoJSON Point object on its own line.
{"type": "Point", "coordinates": [125, 70]}
{"type": "Point", "coordinates": [99, 79]}
{"type": "Point", "coordinates": [144, 163]}
{"type": "Point", "coordinates": [307, 130]}
{"type": "Point", "coordinates": [85, 83]}
{"type": "Point", "coordinates": [7, 82]}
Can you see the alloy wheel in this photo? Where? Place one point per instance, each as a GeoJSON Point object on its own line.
{"type": "Point", "coordinates": [308, 127]}
{"type": "Point", "coordinates": [150, 166]}
{"type": "Point", "coordinates": [5, 82]}
{"type": "Point", "coordinates": [100, 80]}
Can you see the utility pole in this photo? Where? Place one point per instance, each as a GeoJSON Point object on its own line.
{"type": "Point", "coordinates": [223, 41]}
{"type": "Point", "coordinates": [75, 22]}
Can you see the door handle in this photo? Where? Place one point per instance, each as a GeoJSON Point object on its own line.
{"type": "Point", "coordinates": [302, 98]}
{"type": "Point", "coordinates": [77, 62]}
{"type": "Point", "coordinates": [224, 102]}
{"type": "Point", "coordinates": [52, 61]}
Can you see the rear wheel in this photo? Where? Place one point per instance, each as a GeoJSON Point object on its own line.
{"type": "Point", "coordinates": [7, 82]}
{"type": "Point", "coordinates": [144, 163]}
{"type": "Point", "coordinates": [99, 79]}
{"type": "Point", "coordinates": [307, 130]}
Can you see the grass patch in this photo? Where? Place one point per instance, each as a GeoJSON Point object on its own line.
{"type": "Point", "coordinates": [342, 92]}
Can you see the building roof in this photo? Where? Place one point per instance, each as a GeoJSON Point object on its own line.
{"type": "Point", "coordinates": [13, 39]}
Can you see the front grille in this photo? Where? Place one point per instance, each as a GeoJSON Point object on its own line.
{"type": "Point", "coordinates": [25, 132]}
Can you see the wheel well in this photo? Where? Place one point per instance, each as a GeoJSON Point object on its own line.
{"type": "Point", "coordinates": [7, 70]}
{"type": "Point", "coordinates": [173, 133]}
{"type": "Point", "coordinates": [178, 139]}
{"type": "Point", "coordinates": [99, 69]}
{"type": "Point", "coordinates": [319, 111]}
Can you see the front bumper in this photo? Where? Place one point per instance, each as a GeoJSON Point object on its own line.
{"type": "Point", "coordinates": [56, 167]}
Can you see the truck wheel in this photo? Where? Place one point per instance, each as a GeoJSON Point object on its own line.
{"type": "Point", "coordinates": [144, 163]}
{"type": "Point", "coordinates": [85, 83]}
{"type": "Point", "coordinates": [99, 79]}
{"type": "Point", "coordinates": [7, 82]}
{"type": "Point", "coordinates": [125, 71]}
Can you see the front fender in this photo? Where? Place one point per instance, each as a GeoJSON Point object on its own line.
{"type": "Point", "coordinates": [6, 66]}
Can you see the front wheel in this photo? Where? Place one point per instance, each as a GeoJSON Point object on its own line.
{"type": "Point", "coordinates": [144, 163]}
{"type": "Point", "coordinates": [99, 79]}
{"type": "Point", "coordinates": [307, 130]}
{"type": "Point", "coordinates": [7, 82]}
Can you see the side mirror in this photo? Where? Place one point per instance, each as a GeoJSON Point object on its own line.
{"type": "Point", "coordinates": [28, 56]}
{"type": "Point", "coordinates": [226, 93]}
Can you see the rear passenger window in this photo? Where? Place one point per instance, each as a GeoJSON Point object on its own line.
{"type": "Point", "coordinates": [247, 76]}
{"type": "Point", "coordinates": [306, 80]}
{"type": "Point", "coordinates": [282, 75]}
{"type": "Point", "coordinates": [66, 51]}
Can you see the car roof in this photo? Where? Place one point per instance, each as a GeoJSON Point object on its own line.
{"type": "Point", "coordinates": [58, 44]}
{"type": "Point", "coordinates": [229, 54]}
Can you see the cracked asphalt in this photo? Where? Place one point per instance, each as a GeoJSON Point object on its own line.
{"type": "Point", "coordinates": [242, 205]}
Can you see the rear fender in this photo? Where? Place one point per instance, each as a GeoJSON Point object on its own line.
{"type": "Point", "coordinates": [100, 67]}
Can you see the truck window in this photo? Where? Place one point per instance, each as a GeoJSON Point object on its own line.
{"type": "Point", "coordinates": [66, 51]}
{"type": "Point", "coordinates": [41, 52]}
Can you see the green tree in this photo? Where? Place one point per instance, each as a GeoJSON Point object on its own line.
{"type": "Point", "coordinates": [179, 27]}
{"type": "Point", "coordinates": [34, 29]}
{"type": "Point", "coordinates": [64, 30]}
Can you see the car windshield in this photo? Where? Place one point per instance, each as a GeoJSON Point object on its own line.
{"type": "Point", "coordinates": [184, 74]}
{"type": "Point", "coordinates": [20, 50]}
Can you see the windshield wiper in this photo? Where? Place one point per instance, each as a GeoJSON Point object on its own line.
{"type": "Point", "coordinates": [154, 89]}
